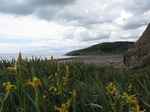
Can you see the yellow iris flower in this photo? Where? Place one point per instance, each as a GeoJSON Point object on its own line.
{"type": "Point", "coordinates": [130, 87]}
{"type": "Point", "coordinates": [137, 109]}
{"type": "Point", "coordinates": [63, 108]}
{"type": "Point", "coordinates": [36, 82]}
{"type": "Point", "coordinates": [74, 93]}
{"type": "Point", "coordinates": [8, 86]}
{"type": "Point", "coordinates": [111, 88]}
{"type": "Point", "coordinates": [129, 99]}
{"type": "Point", "coordinates": [12, 69]}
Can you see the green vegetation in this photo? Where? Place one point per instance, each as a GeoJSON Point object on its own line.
{"type": "Point", "coordinates": [39, 85]}
{"type": "Point", "coordinates": [105, 48]}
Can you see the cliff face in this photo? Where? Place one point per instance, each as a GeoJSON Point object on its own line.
{"type": "Point", "coordinates": [139, 55]}
{"type": "Point", "coordinates": [145, 38]}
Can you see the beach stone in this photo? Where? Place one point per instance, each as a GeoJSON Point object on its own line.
{"type": "Point", "coordinates": [139, 55]}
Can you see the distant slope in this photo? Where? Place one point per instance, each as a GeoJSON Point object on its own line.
{"type": "Point", "coordinates": [104, 48]}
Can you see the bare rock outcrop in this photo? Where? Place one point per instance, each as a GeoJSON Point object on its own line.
{"type": "Point", "coordinates": [139, 55]}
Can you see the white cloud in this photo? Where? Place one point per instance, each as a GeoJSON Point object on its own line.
{"type": "Point", "coordinates": [124, 16]}
{"type": "Point", "coordinates": [29, 27]}
{"type": "Point", "coordinates": [56, 25]}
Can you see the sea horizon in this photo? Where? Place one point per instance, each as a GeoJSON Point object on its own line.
{"type": "Point", "coordinates": [56, 55]}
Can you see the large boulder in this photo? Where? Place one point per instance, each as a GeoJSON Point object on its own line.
{"type": "Point", "coordinates": [139, 55]}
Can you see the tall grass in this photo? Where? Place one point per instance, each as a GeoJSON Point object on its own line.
{"type": "Point", "coordinates": [41, 85]}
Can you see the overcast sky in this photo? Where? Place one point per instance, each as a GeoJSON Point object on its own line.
{"type": "Point", "coordinates": [64, 25]}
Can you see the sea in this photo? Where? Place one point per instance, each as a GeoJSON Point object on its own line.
{"type": "Point", "coordinates": [11, 56]}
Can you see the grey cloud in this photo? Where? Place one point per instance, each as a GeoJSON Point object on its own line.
{"type": "Point", "coordinates": [86, 36]}
{"type": "Point", "coordinates": [29, 6]}
{"type": "Point", "coordinates": [47, 13]}
{"type": "Point", "coordinates": [54, 2]}
{"type": "Point", "coordinates": [95, 39]}
{"type": "Point", "coordinates": [9, 6]}
{"type": "Point", "coordinates": [133, 25]}
{"type": "Point", "coordinates": [133, 6]}
{"type": "Point", "coordinates": [81, 18]}
{"type": "Point", "coordinates": [68, 35]}
{"type": "Point", "coordinates": [138, 9]}
{"type": "Point", "coordinates": [78, 13]}
{"type": "Point", "coordinates": [136, 21]}
{"type": "Point", "coordinates": [137, 6]}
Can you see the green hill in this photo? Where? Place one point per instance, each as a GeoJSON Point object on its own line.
{"type": "Point", "coordinates": [104, 48]}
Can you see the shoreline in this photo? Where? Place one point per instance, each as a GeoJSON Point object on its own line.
{"type": "Point", "coordinates": [102, 60]}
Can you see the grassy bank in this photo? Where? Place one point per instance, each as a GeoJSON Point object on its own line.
{"type": "Point", "coordinates": [39, 85]}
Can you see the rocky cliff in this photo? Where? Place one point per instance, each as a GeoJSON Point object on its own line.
{"type": "Point", "coordinates": [139, 55]}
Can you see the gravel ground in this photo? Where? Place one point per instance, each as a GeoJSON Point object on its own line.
{"type": "Point", "coordinates": [114, 60]}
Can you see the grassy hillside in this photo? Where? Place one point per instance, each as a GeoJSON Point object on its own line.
{"type": "Point", "coordinates": [104, 48]}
